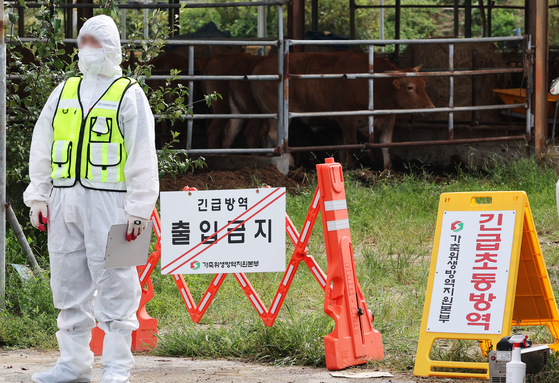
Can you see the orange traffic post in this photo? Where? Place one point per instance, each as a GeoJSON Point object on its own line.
{"type": "Point", "coordinates": [354, 340]}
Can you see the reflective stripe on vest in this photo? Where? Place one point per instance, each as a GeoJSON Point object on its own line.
{"type": "Point", "coordinates": [89, 150]}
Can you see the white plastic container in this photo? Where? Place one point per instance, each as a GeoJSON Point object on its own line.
{"type": "Point", "coordinates": [516, 369]}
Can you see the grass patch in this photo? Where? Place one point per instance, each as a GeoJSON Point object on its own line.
{"type": "Point", "coordinates": [288, 342]}
{"type": "Point", "coordinates": [30, 318]}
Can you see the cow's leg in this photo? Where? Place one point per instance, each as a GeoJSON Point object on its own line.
{"type": "Point", "coordinates": [273, 134]}
{"type": "Point", "coordinates": [349, 131]}
{"type": "Point", "coordinates": [233, 127]}
{"type": "Point", "coordinates": [386, 131]}
{"type": "Point", "coordinates": [215, 133]}
{"type": "Point", "coordinates": [231, 130]}
{"type": "Point", "coordinates": [256, 133]}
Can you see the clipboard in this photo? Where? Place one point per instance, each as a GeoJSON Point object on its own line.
{"type": "Point", "coordinates": [121, 253]}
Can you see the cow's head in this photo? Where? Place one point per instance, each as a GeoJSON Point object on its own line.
{"type": "Point", "coordinates": [410, 91]}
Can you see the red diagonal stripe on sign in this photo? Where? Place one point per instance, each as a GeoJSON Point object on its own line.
{"type": "Point", "coordinates": [226, 234]}
{"type": "Point", "coordinates": [214, 234]}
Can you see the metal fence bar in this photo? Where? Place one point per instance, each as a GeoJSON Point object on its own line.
{"type": "Point", "coordinates": [282, 130]}
{"type": "Point", "coordinates": [312, 42]}
{"type": "Point", "coordinates": [242, 42]}
{"type": "Point", "coordinates": [250, 4]}
{"type": "Point", "coordinates": [2, 161]}
{"type": "Point", "coordinates": [371, 89]}
{"type": "Point", "coordinates": [216, 77]}
{"type": "Point", "coordinates": [161, 5]}
{"type": "Point", "coordinates": [354, 76]}
{"type": "Point", "coordinates": [451, 91]}
{"type": "Point", "coordinates": [190, 122]}
{"type": "Point", "coordinates": [345, 76]}
{"type": "Point", "coordinates": [230, 151]}
{"type": "Point", "coordinates": [529, 90]}
{"type": "Point", "coordinates": [408, 144]}
{"type": "Point", "coordinates": [407, 41]}
{"type": "Point", "coordinates": [226, 116]}
{"type": "Point", "coordinates": [406, 111]}
{"type": "Point", "coordinates": [447, 6]}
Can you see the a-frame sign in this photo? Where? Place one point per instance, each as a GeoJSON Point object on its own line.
{"type": "Point", "coordinates": [487, 274]}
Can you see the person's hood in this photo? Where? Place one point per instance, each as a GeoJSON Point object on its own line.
{"type": "Point", "coordinates": [104, 29]}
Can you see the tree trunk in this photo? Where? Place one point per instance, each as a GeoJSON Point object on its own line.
{"type": "Point", "coordinates": [482, 18]}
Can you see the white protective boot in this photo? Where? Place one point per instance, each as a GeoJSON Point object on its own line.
{"type": "Point", "coordinates": [117, 357]}
{"type": "Point", "coordinates": [75, 362]}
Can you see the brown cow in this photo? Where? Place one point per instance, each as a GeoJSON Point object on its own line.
{"type": "Point", "coordinates": [218, 65]}
{"type": "Point", "coordinates": [237, 99]}
{"type": "Point", "coordinates": [342, 95]}
{"type": "Point", "coordinates": [241, 100]}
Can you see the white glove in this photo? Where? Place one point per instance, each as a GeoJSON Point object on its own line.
{"type": "Point", "coordinates": [39, 214]}
{"type": "Point", "coordinates": [554, 88]}
{"type": "Point", "coordinates": [135, 226]}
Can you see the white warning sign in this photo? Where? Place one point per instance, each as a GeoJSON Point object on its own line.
{"type": "Point", "coordinates": [225, 231]}
{"type": "Point", "coordinates": [471, 279]}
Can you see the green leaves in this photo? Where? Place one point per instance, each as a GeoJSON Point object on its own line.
{"type": "Point", "coordinates": [212, 97]}
{"type": "Point", "coordinates": [174, 162]}
{"type": "Point", "coordinates": [13, 17]}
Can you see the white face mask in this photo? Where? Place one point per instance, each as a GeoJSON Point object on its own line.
{"type": "Point", "coordinates": [91, 60]}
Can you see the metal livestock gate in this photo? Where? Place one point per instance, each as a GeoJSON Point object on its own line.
{"type": "Point", "coordinates": [283, 77]}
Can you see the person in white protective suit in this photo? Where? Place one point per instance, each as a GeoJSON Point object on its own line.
{"type": "Point", "coordinates": [93, 164]}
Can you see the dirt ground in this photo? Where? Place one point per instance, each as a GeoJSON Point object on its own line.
{"type": "Point", "coordinates": [269, 175]}
{"type": "Point", "coordinates": [235, 179]}
{"type": "Point", "coordinates": [18, 366]}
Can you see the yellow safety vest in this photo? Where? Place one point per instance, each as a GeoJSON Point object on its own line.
{"type": "Point", "coordinates": [89, 150]}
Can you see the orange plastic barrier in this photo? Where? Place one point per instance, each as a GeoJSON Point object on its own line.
{"type": "Point", "coordinates": [353, 341]}
{"type": "Point", "coordinates": [144, 338]}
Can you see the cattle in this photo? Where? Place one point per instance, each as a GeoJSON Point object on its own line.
{"type": "Point", "coordinates": [241, 100]}
{"type": "Point", "coordinates": [236, 99]}
{"type": "Point", "coordinates": [341, 94]}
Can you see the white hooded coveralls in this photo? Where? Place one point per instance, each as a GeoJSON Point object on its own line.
{"type": "Point", "coordinates": [79, 220]}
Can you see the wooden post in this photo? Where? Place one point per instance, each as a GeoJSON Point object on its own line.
{"type": "Point", "coordinates": [84, 13]}
{"type": "Point", "coordinates": [298, 23]}
{"type": "Point", "coordinates": [352, 19]}
{"type": "Point", "coordinates": [540, 76]}
{"type": "Point", "coordinates": [314, 14]}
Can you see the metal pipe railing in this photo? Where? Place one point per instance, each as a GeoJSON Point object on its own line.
{"type": "Point", "coordinates": [190, 122]}
{"type": "Point", "coordinates": [451, 73]}
{"type": "Point", "coordinates": [226, 42]}
{"type": "Point", "coordinates": [529, 83]}
{"type": "Point", "coordinates": [377, 112]}
{"type": "Point", "coordinates": [440, 6]}
{"type": "Point", "coordinates": [284, 76]}
{"type": "Point", "coordinates": [281, 133]}
{"type": "Point", "coordinates": [371, 89]}
{"type": "Point", "coordinates": [230, 151]}
{"type": "Point", "coordinates": [226, 116]}
{"type": "Point", "coordinates": [407, 41]}
{"type": "Point", "coordinates": [295, 149]}
{"type": "Point", "coordinates": [451, 91]}
{"type": "Point", "coordinates": [272, 77]}
{"type": "Point", "coordinates": [2, 164]}
{"type": "Point", "coordinates": [354, 76]}
{"type": "Point", "coordinates": [158, 5]}
{"type": "Point", "coordinates": [283, 86]}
